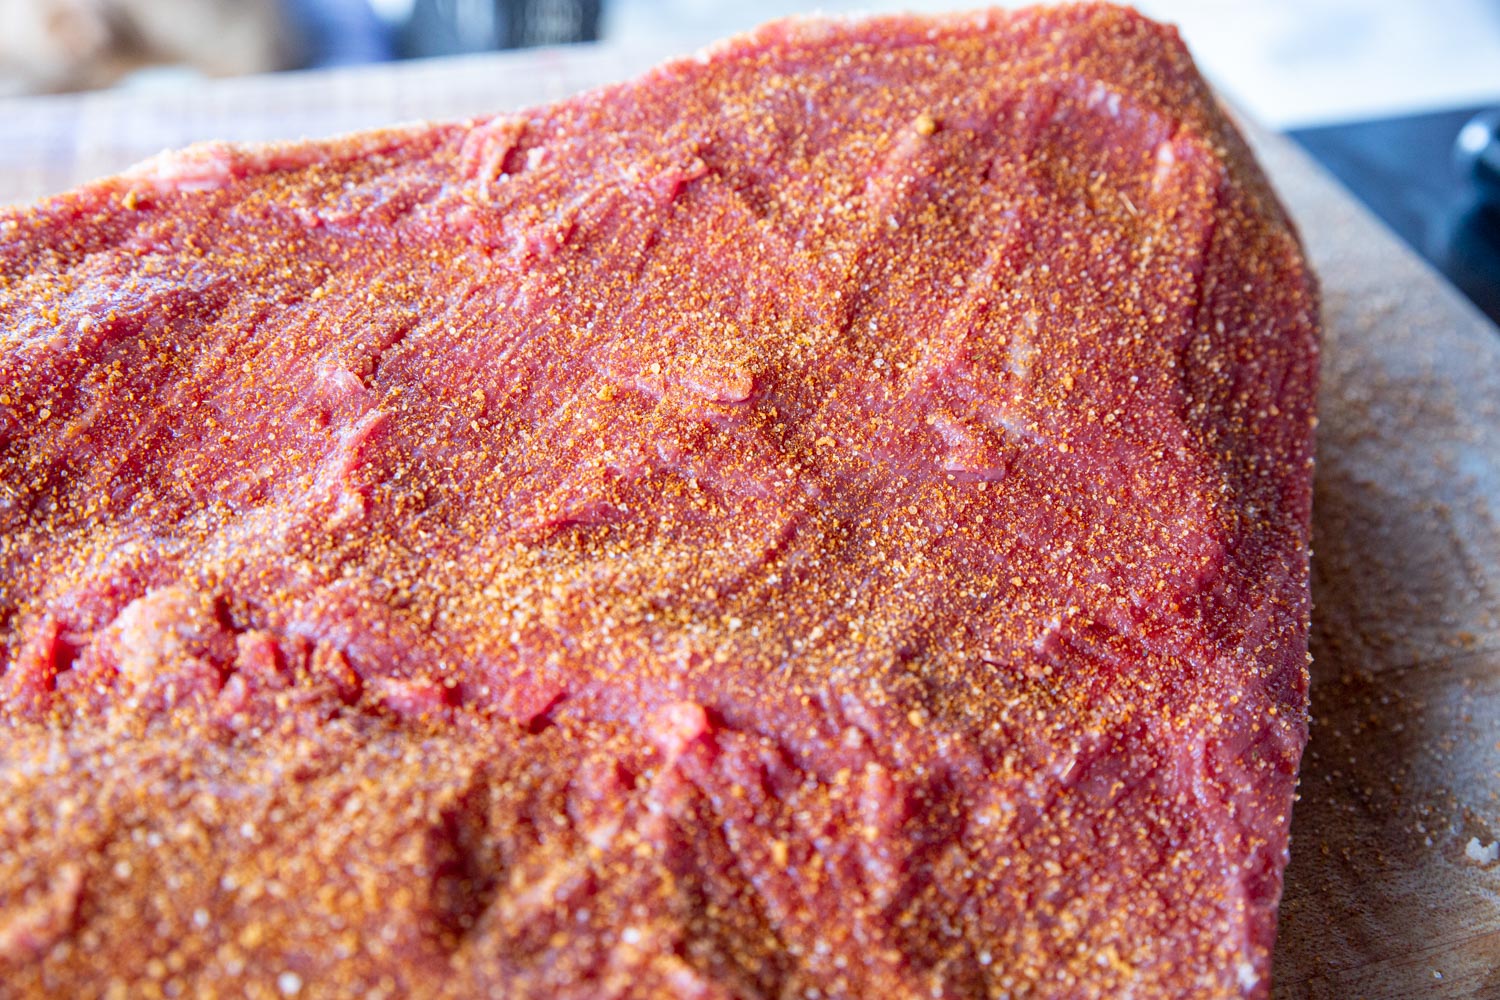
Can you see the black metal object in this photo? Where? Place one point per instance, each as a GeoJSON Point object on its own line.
{"type": "Point", "coordinates": [1476, 154]}
{"type": "Point", "coordinates": [1406, 170]}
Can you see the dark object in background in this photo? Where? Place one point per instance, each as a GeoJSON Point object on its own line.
{"type": "Point", "coordinates": [448, 27]}
{"type": "Point", "coordinates": [341, 32]}
{"type": "Point", "coordinates": [1403, 169]}
{"type": "Point", "coordinates": [1476, 154]}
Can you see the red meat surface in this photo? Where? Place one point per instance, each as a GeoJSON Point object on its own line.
{"type": "Point", "coordinates": [828, 518]}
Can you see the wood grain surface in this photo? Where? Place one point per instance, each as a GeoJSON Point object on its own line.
{"type": "Point", "coordinates": [1382, 901]}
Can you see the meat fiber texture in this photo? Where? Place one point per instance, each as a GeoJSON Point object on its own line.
{"type": "Point", "coordinates": [828, 518]}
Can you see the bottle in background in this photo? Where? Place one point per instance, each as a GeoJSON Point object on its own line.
{"type": "Point", "coordinates": [448, 27]}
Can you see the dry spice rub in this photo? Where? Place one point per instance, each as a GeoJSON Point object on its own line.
{"type": "Point", "coordinates": [828, 518]}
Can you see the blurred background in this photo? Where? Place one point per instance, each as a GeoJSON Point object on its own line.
{"type": "Point", "coordinates": [1378, 90]}
{"type": "Point", "coordinates": [1288, 62]}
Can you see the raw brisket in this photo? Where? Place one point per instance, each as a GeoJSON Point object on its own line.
{"type": "Point", "coordinates": [828, 518]}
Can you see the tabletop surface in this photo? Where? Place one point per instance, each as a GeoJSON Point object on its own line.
{"type": "Point", "coordinates": [1382, 898]}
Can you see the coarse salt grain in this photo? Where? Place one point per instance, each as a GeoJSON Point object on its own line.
{"type": "Point", "coordinates": [1483, 854]}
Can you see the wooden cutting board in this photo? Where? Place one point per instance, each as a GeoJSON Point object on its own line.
{"type": "Point", "coordinates": [1382, 900]}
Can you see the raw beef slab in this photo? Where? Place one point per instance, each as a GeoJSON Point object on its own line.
{"type": "Point", "coordinates": [828, 518]}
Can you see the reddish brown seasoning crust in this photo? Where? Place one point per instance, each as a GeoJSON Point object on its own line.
{"type": "Point", "coordinates": [828, 518]}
